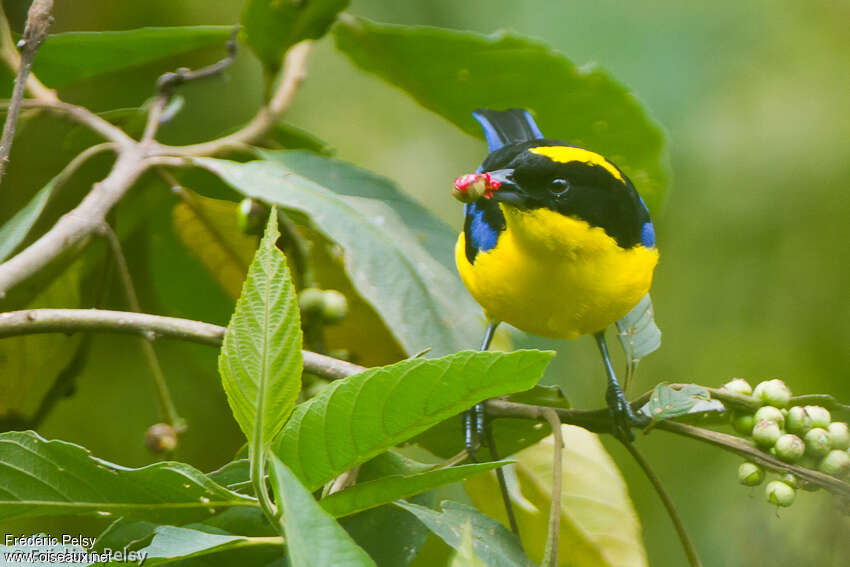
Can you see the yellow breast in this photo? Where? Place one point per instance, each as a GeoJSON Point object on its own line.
{"type": "Point", "coordinates": [556, 276]}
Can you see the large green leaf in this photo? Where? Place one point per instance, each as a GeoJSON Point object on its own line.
{"type": "Point", "coordinates": [366, 495]}
{"type": "Point", "coordinates": [48, 478]}
{"type": "Point", "coordinates": [172, 544]}
{"type": "Point", "coordinates": [599, 526]}
{"type": "Point", "coordinates": [491, 542]}
{"type": "Point", "coordinates": [72, 56]}
{"type": "Point", "coordinates": [454, 72]}
{"type": "Point", "coordinates": [357, 418]}
{"type": "Point", "coordinates": [312, 536]}
{"type": "Point", "coordinates": [345, 178]}
{"type": "Point", "coordinates": [260, 362]}
{"type": "Point", "coordinates": [422, 302]}
{"type": "Point", "coordinates": [273, 26]}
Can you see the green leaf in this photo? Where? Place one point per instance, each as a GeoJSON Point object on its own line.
{"type": "Point", "coordinates": [171, 544]}
{"type": "Point", "coordinates": [260, 361]}
{"type": "Point", "coordinates": [72, 56]}
{"type": "Point", "coordinates": [271, 27]}
{"type": "Point", "coordinates": [465, 555]}
{"type": "Point", "coordinates": [345, 178]}
{"type": "Point", "coordinates": [492, 543]}
{"type": "Point", "coordinates": [312, 536]}
{"type": "Point", "coordinates": [363, 415]}
{"type": "Point", "coordinates": [542, 395]}
{"type": "Point", "coordinates": [638, 332]}
{"type": "Point", "coordinates": [289, 137]}
{"type": "Point", "coordinates": [15, 230]}
{"type": "Point", "coordinates": [454, 72]}
{"type": "Point", "coordinates": [49, 478]}
{"type": "Point", "coordinates": [366, 495]}
{"type": "Point", "coordinates": [422, 302]}
{"type": "Point", "coordinates": [599, 526]}
{"type": "Point", "coordinates": [666, 403]}
{"type": "Point", "coordinates": [234, 472]}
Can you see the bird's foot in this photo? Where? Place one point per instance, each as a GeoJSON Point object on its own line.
{"type": "Point", "coordinates": [623, 418]}
{"type": "Point", "coordinates": [473, 430]}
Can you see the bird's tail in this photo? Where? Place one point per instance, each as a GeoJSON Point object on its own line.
{"type": "Point", "coordinates": [507, 126]}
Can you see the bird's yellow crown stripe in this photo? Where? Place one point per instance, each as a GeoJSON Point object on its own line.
{"type": "Point", "coordinates": [566, 154]}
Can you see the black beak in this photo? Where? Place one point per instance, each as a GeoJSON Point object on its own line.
{"type": "Point", "coordinates": [508, 191]}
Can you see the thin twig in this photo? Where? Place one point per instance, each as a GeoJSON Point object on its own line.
{"type": "Point", "coordinates": [35, 31]}
{"type": "Point", "coordinates": [167, 84]}
{"type": "Point", "coordinates": [687, 543]}
{"type": "Point", "coordinates": [167, 408]}
{"type": "Point", "coordinates": [10, 55]}
{"type": "Point", "coordinates": [553, 537]}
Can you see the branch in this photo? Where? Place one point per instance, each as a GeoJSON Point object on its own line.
{"type": "Point", "coordinates": [34, 321]}
{"type": "Point", "coordinates": [35, 31]}
{"type": "Point", "coordinates": [293, 74]}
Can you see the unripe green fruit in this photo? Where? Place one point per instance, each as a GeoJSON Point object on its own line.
{"type": "Point", "coordinates": [839, 435]}
{"type": "Point", "coordinates": [798, 421]}
{"type": "Point", "coordinates": [766, 433]}
{"type": "Point", "coordinates": [779, 493]}
{"type": "Point", "coordinates": [161, 438]}
{"type": "Point", "coordinates": [738, 386]}
{"type": "Point", "coordinates": [770, 413]}
{"type": "Point", "coordinates": [750, 474]}
{"type": "Point", "coordinates": [251, 216]}
{"type": "Point", "coordinates": [773, 392]}
{"type": "Point", "coordinates": [836, 463]}
{"type": "Point", "coordinates": [743, 423]}
{"type": "Point", "coordinates": [790, 448]}
{"type": "Point", "coordinates": [334, 308]}
{"type": "Point", "coordinates": [790, 480]}
{"type": "Point", "coordinates": [818, 443]}
{"type": "Point", "coordinates": [820, 416]}
{"type": "Point", "coordinates": [311, 301]}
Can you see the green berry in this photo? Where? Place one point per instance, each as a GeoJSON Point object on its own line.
{"type": "Point", "coordinates": [161, 438]}
{"type": "Point", "coordinates": [836, 463]}
{"type": "Point", "coordinates": [820, 416]}
{"type": "Point", "coordinates": [750, 474]}
{"type": "Point", "coordinates": [839, 435]}
{"type": "Point", "coordinates": [818, 443]}
{"type": "Point", "coordinates": [790, 480]}
{"type": "Point", "coordinates": [251, 216]}
{"type": "Point", "coordinates": [773, 393]}
{"type": "Point", "coordinates": [779, 493]}
{"type": "Point", "coordinates": [311, 301]}
{"type": "Point", "coordinates": [790, 448]}
{"type": "Point", "coordinates": [798, 421]}
{"type": "Point", "coordinates": [738, 386]}
{"type": "Point", "coordinates": [770, 413]}
{"type": "Point", "coordinates": [766, 433]}
{"type": "Point", "coordinates": [743, 423]}
{"type": "Point", "coordinates": [334, 308]}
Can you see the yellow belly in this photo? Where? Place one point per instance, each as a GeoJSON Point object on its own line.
{"type": "Point", "coordinates": [556, 276]}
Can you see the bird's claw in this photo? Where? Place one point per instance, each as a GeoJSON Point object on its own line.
{"type": "Point", "coordinates": [623, 418]}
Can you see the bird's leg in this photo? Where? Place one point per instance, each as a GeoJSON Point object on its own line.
{"type": "Point", "coordinates": [621, 412]}
{"type": "Point", "coordinates": [473, 418]}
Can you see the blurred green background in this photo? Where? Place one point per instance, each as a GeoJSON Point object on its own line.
{"type": "Point", "coordinates": [753, 280]}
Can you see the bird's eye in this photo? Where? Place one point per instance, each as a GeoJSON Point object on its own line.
{"type": "Point", "coordinates": [558, 186]}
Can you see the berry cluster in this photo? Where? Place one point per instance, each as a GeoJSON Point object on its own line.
{"type": "Point", "coordinates": [801, 435]}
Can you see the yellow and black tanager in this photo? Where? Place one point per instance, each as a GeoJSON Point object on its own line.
{"type": "Point", "coordinates": [556, 242]}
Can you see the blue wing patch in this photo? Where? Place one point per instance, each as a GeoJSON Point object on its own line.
{"type": "Point", "coordinates": [647, 235]}
{"type": "Point", "coordinates": [482, 235]}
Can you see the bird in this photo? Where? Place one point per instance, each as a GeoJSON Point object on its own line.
{"type": "Point", "coordinates": [556, 242]}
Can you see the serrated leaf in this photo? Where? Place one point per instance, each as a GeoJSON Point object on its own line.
{"type": "Point", "coordinates": [363, 415]}
{"type": "Point", "coordinates": [422, 302]}
{"type": "Point", "coordinates": [495, 545]}
{"type": "Point", "coordinates": [209, 231]}
{"type": "Point", "coordinates": [260, 361]}
{"type": "Point", "coordinates": [49, 478]}
{"type": "Point", "coordinates": [366, 495]}
{"type": "Point", "coordinates": [454, 72]}
{"type": "Point", "coordinates": [271, 27]}
{"type": "Point", "coordinates": [667, 403]}
{"type": "Point", "coordinates": [599, 526]}
{"type": "Point", "coordinates": [72, 56]}
{"type": "Point", "coordinates": [172, 544]}
{"type": "Point", "coordinates": [312, 536]}
{"type": "Point", "coordinates": [638, 332]}
{"type": "Point", "coordinates": [345, 178]}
